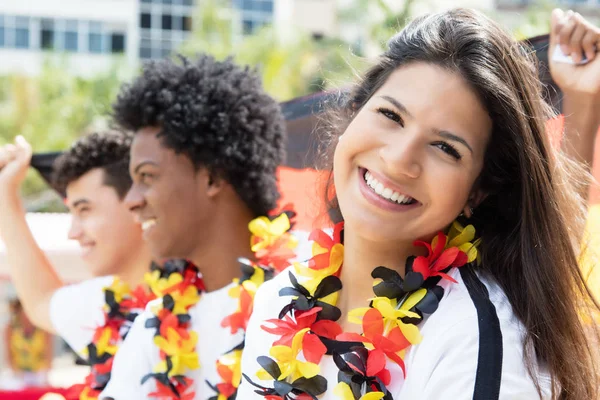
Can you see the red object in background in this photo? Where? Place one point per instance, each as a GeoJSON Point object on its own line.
{"type": "Point", "coordinates": [32, 394]}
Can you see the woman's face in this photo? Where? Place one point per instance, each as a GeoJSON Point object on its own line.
{"type": "Point", "coordinates": [405, 167]}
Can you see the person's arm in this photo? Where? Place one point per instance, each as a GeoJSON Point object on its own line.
{"type": "Point", "coordinates": [31, 272]}
{"type": "Point", "coordinates": [580, 84]}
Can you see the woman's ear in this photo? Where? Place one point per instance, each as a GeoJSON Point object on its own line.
{"type": "Point", "coordinates": [475, 199]}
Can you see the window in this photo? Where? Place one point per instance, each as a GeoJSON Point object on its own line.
{"type": "Point", "coordinates": [247, 26]}
{"type": "Point", "coordinates": [186, 23]}
{"type": "Point", "coordinates": [95, 42]}
{"type": "Point", "coordinates": [22, 32]}
{"type": "Point", "coordinates": [71, 36]}
{"type": "Point", "coordinates": [267, 6]}
{"type": "Point", "coordinates": [247, 5]}
{"type": "Point", "coordinates": [145, 52]}
{"type": "Point", "coordinates": [167, 22]}
{"type": "Point", "coordinates": [117, 43]}
{"type": "Point", "coordinates": [2, 39]}
{"type": "Point", "coordinates": [146, 20]}
{"type": "Point", "coordinates": [47, 34]}
{"type": "Point", "coordinates": [22, 38]}
{"type": "Point", "coordinates": [146, 48]}
{"type": "Point", "coordinates": [71, 41]}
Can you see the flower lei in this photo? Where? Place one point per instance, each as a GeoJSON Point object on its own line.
{"type": "Point", "coordinates": [273, 245]}
{"type": "Point", "coordinates": [307, 326]}
{"type": "Point", "coordinates": [120, 310]}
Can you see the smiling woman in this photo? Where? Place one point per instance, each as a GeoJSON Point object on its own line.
{"type": "Point", "coordinates": [453, 200]}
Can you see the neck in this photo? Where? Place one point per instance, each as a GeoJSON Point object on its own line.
{"type": "Point", "coordinates": [137, 266]}
{"type": "Point", "coordinates": [228, 240]}
{"type": "Point", "coordinates": [361, 257]}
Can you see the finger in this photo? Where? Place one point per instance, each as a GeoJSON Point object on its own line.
{"type": "Point", "coordinates": [590, 43]}
{"type": "Point", "coordinates": [7, 154]}
{"type": "Point", "coordinates": [564, 36]}
{"type": "Point", "coordinates": [575, 43]}
{"type": "Point", "coordinates": [24, 153]}
{"type": "Point", "coordinates": [556, 24]}
{"type": "Point", "coordinates": [11, 152]}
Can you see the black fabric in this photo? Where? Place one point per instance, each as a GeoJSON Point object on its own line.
{"type": "Point", "coordinates": [489, 360]}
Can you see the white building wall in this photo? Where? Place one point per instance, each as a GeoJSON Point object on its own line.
{"type": "Point", "coordinates": [119, 16]}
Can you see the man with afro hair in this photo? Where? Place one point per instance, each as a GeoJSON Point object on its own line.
{"type": "Point", "coordinates": [94, 175]}
{"type": "Point", "coordinates": [207, 144]}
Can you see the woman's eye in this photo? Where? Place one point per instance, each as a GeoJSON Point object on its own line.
{"type": "Point", "coordinates": [449, 149]}
{"type": "Point", "coordinates": [392, 115]}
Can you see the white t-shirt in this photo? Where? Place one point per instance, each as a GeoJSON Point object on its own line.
{"type": "Point", "coordinates": [77, 310]}
{"type": "Point", "coordinates": [443, 365]}
{"type": "Point", "coordinates": [138, 354]}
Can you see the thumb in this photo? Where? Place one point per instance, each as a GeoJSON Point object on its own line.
{"type": "Point", "coordinates": [24, 150]}
{"type": "Point", "coordinates": [556, 23]}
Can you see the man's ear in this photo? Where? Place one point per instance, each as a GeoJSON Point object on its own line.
{"type": "Point", "coordinates": [211, 182]}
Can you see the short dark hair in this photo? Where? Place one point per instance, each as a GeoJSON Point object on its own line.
{"type": "Point", "coordinates": [217, 114]}
{"type": "Point", "coordinates": [108, 151]}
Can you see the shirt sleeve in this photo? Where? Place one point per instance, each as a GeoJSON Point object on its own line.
{"type": "Point", "coordinates": [452, 368]}
{"type": "Point", "coordinates": [77, 310]}
{"type": "Point", "coordinates": [131, 363]}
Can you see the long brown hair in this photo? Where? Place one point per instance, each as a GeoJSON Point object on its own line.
{"type": "Point", "coordinates": [531, 220]}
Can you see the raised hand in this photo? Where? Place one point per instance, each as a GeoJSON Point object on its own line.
{"type": "Point", "coordinates": [576, 37]}
{"type": "Point", "coordinates": [14, 162]}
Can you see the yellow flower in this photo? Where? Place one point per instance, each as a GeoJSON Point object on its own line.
{"type": "Point", "coordinates": [392, 314]}
{"type": "Point", "coordinates": [343, 392]}
{"type": "Point", "coordinates": [267, 230]}
{"type": "Point", "coordinates": [85, 395]}
{"type": "Point", "coordinates": [234, 361]}
{"type": "Point", "coordinates": [287, 359]}
{"type": "Point", "coordinates": [336, 257]}
{"type": "Point", "coordinates": [184, 300]}
{"type": "Point", "coordinates": [251, 285]}
{"type": "Point", "coordinates": [462, 237]}
{"type": "Point", "coordinates": [104, 345]}
{"type": "Point", "coordinates": [159, 285]}
{"type": "Point", "coordinates": [119, 288]}
{"type": "Point", "coordinates": [182, 352]}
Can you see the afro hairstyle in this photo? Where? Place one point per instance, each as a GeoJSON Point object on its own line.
{"type": "Point", "coordinates": [106, 150]}
{"type": "Point", "coordinates": [217, 114]}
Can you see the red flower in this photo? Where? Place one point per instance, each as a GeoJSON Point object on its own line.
{"type": "Point", "coordinates": [165, 393]}
{"type": "Point", "coordinates": [140, 297]}
{"type": "Point", "coordinates": [321, 261]}
{"type": "Point", "coordinates": [225, 388]}
{"type": "Point", "coordinates": [312, 347]}
{"type": "Point", "coordinates": [277, 256]}
{"type": "Point", "coordinates": [239, 319]}
{"type": "Point", "coordinates": [373, 328]}
{"type": "Point", "coordinates": [438, 259]}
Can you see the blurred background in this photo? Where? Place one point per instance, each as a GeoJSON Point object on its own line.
{"type": "Point", "coordinates": [62, 61]}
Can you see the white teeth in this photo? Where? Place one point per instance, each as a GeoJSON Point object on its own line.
{"type": "Point", "coordinates": [148, 224]}
{"type": "Point", "coordinates": [385, 192]}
